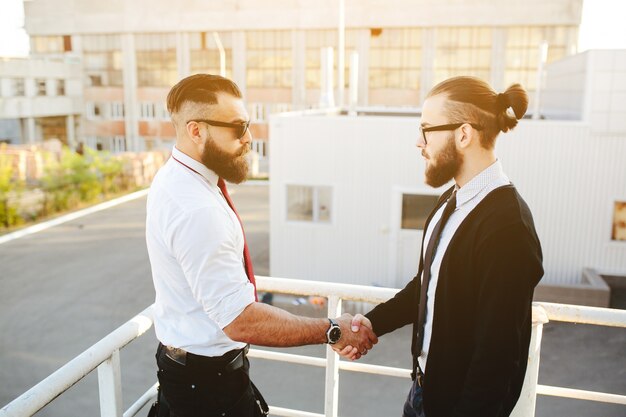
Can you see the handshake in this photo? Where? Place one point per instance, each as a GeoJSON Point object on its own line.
{"type": "Point", "coordinates": [357, 336]}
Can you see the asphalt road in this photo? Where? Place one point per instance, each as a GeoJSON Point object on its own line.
{"type": "Point", "coordinates": [63, 289]}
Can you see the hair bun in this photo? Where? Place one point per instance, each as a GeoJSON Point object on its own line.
{"type": "Point", "coordinates": [503, 102]}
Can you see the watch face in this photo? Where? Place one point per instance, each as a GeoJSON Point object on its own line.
{"type": "Point", "coordinates": [335, 334]}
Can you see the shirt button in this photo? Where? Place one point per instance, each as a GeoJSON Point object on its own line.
{"type": "Point", "coordinates": [219, 374]}
{"type": "Point", "coordinates": [193, 387]}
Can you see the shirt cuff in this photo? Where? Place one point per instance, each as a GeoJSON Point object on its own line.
{"type": "Point", "coordinates": [231, 306]}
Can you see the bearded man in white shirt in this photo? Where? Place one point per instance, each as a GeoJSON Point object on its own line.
{"type": "Point", "coordinates": [206, 310]}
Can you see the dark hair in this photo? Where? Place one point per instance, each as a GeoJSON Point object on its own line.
{"type": "Point", "coordinates": [200, 88]}
{"type": "Point", "coordinates": [482, 105]}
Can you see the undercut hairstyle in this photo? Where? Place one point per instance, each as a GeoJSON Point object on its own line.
{"type": "Point", "coordinates": [200, 89]}
{"type": "Point", "coordinates": [472, 100]}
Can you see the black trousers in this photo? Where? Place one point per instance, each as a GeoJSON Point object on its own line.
{"type": "Point", "coordinates": [201, 388]}
{"type": "Point", "coordinates": [413, 406]}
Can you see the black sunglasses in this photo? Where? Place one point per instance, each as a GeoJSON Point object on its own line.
{"type": "Point", "coordinates": [241, 128]}
{"type": "Point", "coordinates": [440, 128]}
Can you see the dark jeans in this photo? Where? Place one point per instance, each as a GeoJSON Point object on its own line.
{"type": "Point", "coordinates": [198, 389]}
{"type": "Point", "coordinates": [413, 406]}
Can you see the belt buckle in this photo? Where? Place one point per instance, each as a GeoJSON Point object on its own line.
{"type": "Point", "coordinates": [176, 354]}
{"type": "Point", "coordinates": [420, 379]}
{"type": "Point", "coordinates": [237, 361]}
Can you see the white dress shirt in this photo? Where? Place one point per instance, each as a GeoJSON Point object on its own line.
{"type": "Point", "coordinates": [195, 244]}
{"type": "Point", "coordinates": [467, 198]}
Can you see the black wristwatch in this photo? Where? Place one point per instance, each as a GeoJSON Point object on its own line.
{"type": "Point", "coordinates": [333, 334]}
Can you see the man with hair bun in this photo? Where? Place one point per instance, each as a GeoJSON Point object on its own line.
{"type": "Point", "coordinates": [470, 302]}
{"type": "Point", "coordinates": [206, 310]}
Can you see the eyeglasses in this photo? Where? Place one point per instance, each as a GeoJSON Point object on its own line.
{"type": "Point", "coordinates": [241, 128]}
{"type": "Point", "coordinates": [440, 128]}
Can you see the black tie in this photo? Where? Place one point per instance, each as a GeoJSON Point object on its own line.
{"type": "Point", "coordinates": [428, 260]}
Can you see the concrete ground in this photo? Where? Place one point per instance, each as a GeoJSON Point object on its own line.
{"type": "Point", "coordinates": [63, 289]}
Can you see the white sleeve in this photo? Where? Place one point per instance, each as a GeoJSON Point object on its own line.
{"type": "Point", "coordinates": [204, 244]}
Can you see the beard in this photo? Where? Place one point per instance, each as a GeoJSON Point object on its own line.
{"type": "Point", "coordinates": [231, 167]}
{"type": "Point", "coordinates": [446, 165]}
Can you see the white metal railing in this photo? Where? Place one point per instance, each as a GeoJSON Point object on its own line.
{"type": "Point", "coordinates": [104, 355]}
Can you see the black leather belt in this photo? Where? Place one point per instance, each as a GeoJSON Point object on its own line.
{"type": "Point", "coordinates": [229, 362]}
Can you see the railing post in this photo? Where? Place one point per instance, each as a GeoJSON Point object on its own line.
{"type": "Point", "coordinates": [526, 404]}
{"type": "Point", "coordinates": [110, 386]}
{"type": "Point", "coordinates": [331, 395]}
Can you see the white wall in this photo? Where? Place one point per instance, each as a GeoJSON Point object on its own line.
{"type": "Point", "coordinates": [605, 107]}
{"type": "Point", "coordinates": [565, 87]}
{"type": "Point", "coordinates": [590, 86]}
{"type": "Point", "coordinates": [568, 177]}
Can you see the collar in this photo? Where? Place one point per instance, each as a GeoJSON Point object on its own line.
{"type": "Point", "coordinates": [187, 162]}
{"type": "Point", "coordinates": [481, 181]}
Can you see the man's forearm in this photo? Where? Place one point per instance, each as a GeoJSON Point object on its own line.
{"type": "Point", "coordinates": [264, 325]}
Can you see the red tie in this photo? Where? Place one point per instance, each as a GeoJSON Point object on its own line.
{"type": "Point", "coordinates": [246, 253]}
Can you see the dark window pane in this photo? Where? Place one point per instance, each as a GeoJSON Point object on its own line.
{"type": "Point", "coordinates": [415, 210]}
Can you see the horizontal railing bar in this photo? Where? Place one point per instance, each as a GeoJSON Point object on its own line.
{"type": "Point", "coordinates": [287, 357]}
{"type": "Point", "coordinates": [148, 397]}
{"type": "Point", "coordinates": [375, 369]}
{"type": "Point", "coordinates": [69, 374]}
{"type": "Point", "coordinates": [584, 314]}
{"type": "Point", "coordinates": [349, 292]}
{"type": "Point", "coordinates": [321, 362]}
{"type": "Point", "coordinates": [581, 394]}
{"type": "Point", "coordinates": [287, 412]}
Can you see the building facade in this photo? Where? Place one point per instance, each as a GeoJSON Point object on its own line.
{"type": "Point", "coordinates": [40, 99]}
{"type": "Point", "coordinates": [133, 52]}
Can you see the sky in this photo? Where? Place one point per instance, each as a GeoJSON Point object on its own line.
{"type": "Point", "coordinates": [602, 26]}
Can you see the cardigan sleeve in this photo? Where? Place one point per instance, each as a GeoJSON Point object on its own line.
{"type": "Point", "coordinates": [398, 311]}
{"type": "Point", "coordinates": [509, 267]}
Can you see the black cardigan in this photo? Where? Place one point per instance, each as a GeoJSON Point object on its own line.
{"type": "Point", "coordinates": [482, 319]}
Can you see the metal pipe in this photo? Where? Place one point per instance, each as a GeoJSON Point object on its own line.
{"type": "Point", "coordinates": [218, 42]}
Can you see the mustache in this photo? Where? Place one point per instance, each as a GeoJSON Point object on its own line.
{"type": "Point", "coordinates": [243, 151]}
{"type": "Point", "coordinates": [425, 155]}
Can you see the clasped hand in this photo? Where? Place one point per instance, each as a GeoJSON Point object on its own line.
{"type": "Point", "coordinates": [357, 336]}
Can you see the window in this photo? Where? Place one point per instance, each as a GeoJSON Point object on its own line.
{"type": "Point", "coordinates": [95, 80]}
{"type": "Point", "coordinates": [60, 87]}
{"type": "Point", "coordinates": [156, 60]}
{"type": "Point", "coordinates": [269, 61]}
{"type": "Point", "coordinates": [259, 146]}
{"type": "Point", "coordinates": [318, 39]}
{"type": "Point", "coordinates": [48, 44]}
{"type": "Point", "coordinates": [462, 51]}
{"type": "Point", "coordinates": [619, 221]}
{"type": "Point", "coordinates": [41, 87]}
{"type": "Point", "coordinates": [94, 110]}
{"type": "Point", "coordinates": [146, 110]}
{"type": "Point", "coordinates": [415, 210]}
{"type": "Point", "coordinates": [102, 59]}
{"type": "Point", "coordinates": [18, 87]}
{"type": "Point", "coordinates": [205, 54]}
{"type": "Point", "coordinates": [117, 110]}
{"type": "Point", "coordinates": [309, 203]}
{"type": "Point", "coordinates": [522, 51]}
{"type": "Point", "coordinates": [395, 58]}
{"type": "Point", "coordinates": [67, 43]}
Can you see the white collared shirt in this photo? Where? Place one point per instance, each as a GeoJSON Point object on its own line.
{"type": "Point", "coordinates": [195, 244]}
{"type": "Point", "coordinates": [467, 198]}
